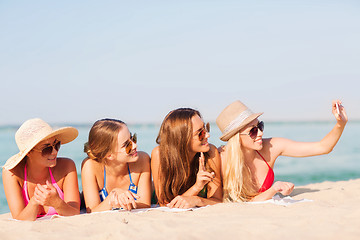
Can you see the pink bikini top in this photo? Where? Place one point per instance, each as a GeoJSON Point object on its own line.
{"type": "Point", "coordinates": [51, 210]}
{"type": "Point", "coordinates": [269, 180]}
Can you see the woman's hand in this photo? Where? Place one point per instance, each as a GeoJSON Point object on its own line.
{"type": "Point", "coordinates": [285, 188]}
{"type": "Point", "coordinates": [339, 112]}
{"type": "Point", "coordinates": [203, 176]}
{"type": "Point", "coordinates": [122, 199]}
{"type": "Point", "coordinates": [184, 202]}
{"type": "Point", "coordinates": [46, 195]}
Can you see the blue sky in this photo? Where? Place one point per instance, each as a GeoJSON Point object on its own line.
{"type": "Point", "coordinates": [79, 61]}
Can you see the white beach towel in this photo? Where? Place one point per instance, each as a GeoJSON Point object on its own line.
{"type": "Point", "coordinates": [155, 207]}
{"type": "Point", "coordinates": [277, 199]}
{"type": "Point", "coordinates": [284, 201]}
{"type": "Point", "coordinates": [166, 209]}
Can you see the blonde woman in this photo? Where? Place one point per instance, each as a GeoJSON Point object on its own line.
{"type": "Point", "coordinates": [185, 167]}
{"type": "Point", "coordinates": [37, 183]}
{"type": "Point", "coordinates": [115, 175]}
{"type": "Point", "coordinates": [248, 159]}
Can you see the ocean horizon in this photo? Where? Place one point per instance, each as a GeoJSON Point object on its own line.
{"type": "Point", "coordinates": [343, 163]}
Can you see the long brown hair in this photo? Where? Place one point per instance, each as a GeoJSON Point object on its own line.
{"type": "Point", "coordinates": [103, 138]}
{"type": "Point", "coordinates": [177, 171]}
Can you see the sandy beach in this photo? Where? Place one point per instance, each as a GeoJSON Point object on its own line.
{"type": "Point", "coordinates": [333, 213]}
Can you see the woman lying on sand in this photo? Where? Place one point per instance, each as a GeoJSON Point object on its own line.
{"type": "Point", "coordinates": [247, 159]}
{"type": "Point", "coordinates": [36, 182]}
{"type": "Point", "coordinates": [185, 167]}
{"type": "Point", "coordinates": [115, 175]}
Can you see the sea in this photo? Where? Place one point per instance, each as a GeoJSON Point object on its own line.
{"type": "Point", "coordinates": [343, 163]}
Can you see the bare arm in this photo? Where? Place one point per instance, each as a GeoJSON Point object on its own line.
{"type": "Point", "coordinates": [155, 166]}
{"type": "Point", "coordinates": [47, 195]}
{"type": "Point", "coordinates": [291, 148]}
{"type": "Point", "coordinates": [284, 188]}
{"type": "Point", "coordinates": [213, 180]}
{"type": "Point", "coordinates": [13, 193]}
{"type": "Point", "coordinates": [91, 190]}
{"type": "Point", "coordinates": [144, 184]}
{"type": "Point", "coordinates": [71, 203]}
{"type": "Point", "coordinates": [44, 195]}
{"type": "Point", "coordinates": [215, 186]}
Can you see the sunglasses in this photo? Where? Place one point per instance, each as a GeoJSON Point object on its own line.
{"type": "Point", "coordinates": [254, 131]}
{"type": "Point", "coordinates": [203, 131]}
{"type": "Point", "coordinates": [129, 145]}
{"type": "Point", "coordinates": [46, 151]}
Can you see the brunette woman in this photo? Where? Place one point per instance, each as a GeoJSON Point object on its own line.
{"type": "Point", "coordinates": [185, 167]}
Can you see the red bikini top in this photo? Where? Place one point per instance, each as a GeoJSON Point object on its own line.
{"type": "Point", "coordinates": [269, 180]}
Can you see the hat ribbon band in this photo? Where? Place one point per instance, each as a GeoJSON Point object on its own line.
{"type": "Point", "coordinates": [238, 120]}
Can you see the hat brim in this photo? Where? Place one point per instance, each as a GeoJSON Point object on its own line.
{"type": "Point", "coordinates": [225, 137]}
{"type": "Point", "coordinates": [64, 135]}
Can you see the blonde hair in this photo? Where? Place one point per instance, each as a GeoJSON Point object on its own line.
{"type": "Point", "coordinates": [237, 183]}
{"type": "Point", "coordinates": [103, 138]}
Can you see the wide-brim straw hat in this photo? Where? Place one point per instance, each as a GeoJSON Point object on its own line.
{"type": "Point", "coordinates": [233, 118]}
{"type": "Point", "coordinates": [32, 132]}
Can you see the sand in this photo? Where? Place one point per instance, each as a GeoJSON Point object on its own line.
{"type": "Point", "coordinates": [334, 213]}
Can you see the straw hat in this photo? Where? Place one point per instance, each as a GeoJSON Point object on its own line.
{"type": "Point", "coordinates": [233, 118]}
{"type": "Point", "coordinates": [34, 131]}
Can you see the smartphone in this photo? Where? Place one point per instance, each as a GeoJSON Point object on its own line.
{"type": "Point", "coordinates": [337, 108]}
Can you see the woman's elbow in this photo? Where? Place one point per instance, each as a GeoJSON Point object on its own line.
{"type": "Point", "coordinates": [327, 150]}
{"type": "Point", "coordinates": [324, 149]}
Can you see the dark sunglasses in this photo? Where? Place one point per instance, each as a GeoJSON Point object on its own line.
{"type": "Point", "coordinates": [254, 131]}
{"type": "Point", "coordinates": [203, 131]}
{"type": "Point", "coordinates": [129, 145]}
{"type": "Point", "coordinates": [46, 151]}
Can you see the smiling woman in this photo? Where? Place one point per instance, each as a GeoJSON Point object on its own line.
{"type": "Point", "coordinates": [36, 182]}
{"type": "Point", "coordinates": [115, 174]}
{"type": "Point", "coordinates": [248, 159]}
{"type": "Point", "coordinates": [185, 167]}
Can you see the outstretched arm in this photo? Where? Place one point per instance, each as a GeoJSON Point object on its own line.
{"type": "Point", "coordinates": [291, 148]}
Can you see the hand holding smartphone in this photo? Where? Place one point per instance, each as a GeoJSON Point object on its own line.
{"type": "Point", "coordinates": [337, 108]}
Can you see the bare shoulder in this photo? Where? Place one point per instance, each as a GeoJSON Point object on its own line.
{"type": "Point", "coordinates": [272, 148]}
{"type": "Point", "coordinates": [63, 167]}
{"type": "Point", "coordinates": [11, 174]}
{"type": "Point", "coordinates": [89, 164]}
{"type": "Point", "coordinates": [155, 155]}
{"type": "Point", "coordinates": [143, 162]}
{"type": "Point", "coordinates": [17, 172]}
{"type": "Point", "coordinates": [214, 156]}
{"type": "Point", "coordinates": [275, 144]}
{"type": "Point", "coordinates": [213, 152]}
{"type": "Point", "coordinates": [143, 156]}
{"type": "Point", "coordinates": [275, 140]}
{"type": "Point", "coordinates": [221, 150]}
{"type": "Point", "coordinates": [65, 163]}
{"type": "Point", "coordinates": [155, 151]}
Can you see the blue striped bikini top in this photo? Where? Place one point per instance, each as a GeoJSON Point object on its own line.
{"type": "Point", "coordinates": [103, 193]}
